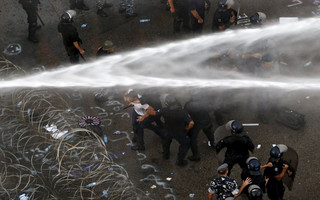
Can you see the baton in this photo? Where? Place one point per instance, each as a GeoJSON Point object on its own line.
{"type": "Point", "coordinates": [82, 57]}
{"type": "Point", "coordinates": [40, 19]}
{"type": "Point", "coordinates": [251, 124]}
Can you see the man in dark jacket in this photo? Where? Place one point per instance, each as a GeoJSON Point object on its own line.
{"type": "Point", "coordinates": [70, 36]}
{"type": "Point", "coordinates": [177, 124]}
{"type": "Point", "coordinates": [238, 146]}
{"type": "Point", "coordinates": [199, 112]}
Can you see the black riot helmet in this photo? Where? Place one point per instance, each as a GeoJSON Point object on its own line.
{"type": "Point", "coordinates": [234, 126]}
{"type": "Point", "coordinates": [67, 17]}
{"type": "Point", "coordinates": [258, 18]}
{"type": "Point", "coordinates": [278, 150]}
{"type": "Point", "coordinates": [225, 3]}
{"type": "Point", "coordinates": [170, 100]}
{"type": "Point", "coordinates": [255, 192]}
{"type": "Point", "coordinates": [275, 152]}
{"type": "Point", "coordinates": [253, 165]}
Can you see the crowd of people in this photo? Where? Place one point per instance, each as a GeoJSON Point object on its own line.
{"type": "Point", "coordinates": [165, 116]}
{"type": "Point", "coordinates": [188, 15]}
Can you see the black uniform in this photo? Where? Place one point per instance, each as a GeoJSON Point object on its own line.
{"type": "Point", "coordinates": [202, 121]}
{"type": "Point", "coordinates": [199, 6]}
{"type": "Point", "coordinates": [238, 147]}
{"type": "Point", "coordinates": [70, 35]}
{"type": "Point", "coordinates": [275, 188]}
{"type": "Point", "coordinates": [181, 15]}
{"type": "Point", "coordinates": [256, 180]}
{"type": "Point", "coordinates": [221, 18]}
{"type": "Point", "coordinates": [30, 6]}
{"type": "Point", "coordinates": [176, 119]}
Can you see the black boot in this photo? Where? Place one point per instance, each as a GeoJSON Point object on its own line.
{"type": "Point", "coordinates": [181, 162]}
{"type": "Point", "coordinates": [32, 33]}
{"type": "Point", "coordinates": [101, 13]}
{"type": "Point", "coordinates": [194, 157]}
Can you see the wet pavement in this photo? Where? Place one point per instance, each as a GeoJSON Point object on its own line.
{"type": "Point", "coordinates": [147, 168]}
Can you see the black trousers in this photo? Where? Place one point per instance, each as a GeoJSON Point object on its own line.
{"type": "Point", "coordinates": [181, 16]}
{"type": "Point", "coordinates": [207, 129]}
{"type": "Point", "coordinates": [73, 54]}
{"type": "Point", "coordinates": [147, 123]}
{"type": "Point", "coordinates": [236, 159]}
{"type": "Point", "coordinates": [183, 140]}
{"type": "Point", "coordinates": [196, 27]}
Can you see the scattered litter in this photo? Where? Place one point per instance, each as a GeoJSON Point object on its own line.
{"type": "Point", "coordinates": [91, 185]}
{"type": "Point", "coordinates": [307, 97]}
{"type": "Point", "coordinates": [171, 173]}
{"type": "Point", "coordinates": [168, 178]}
{"type": "Point", "coordinates": [95, 157]}
{"type": "Point", "coordinates": [117, 133]}
{"type": "Point", "coordinates": [105, 193]}
{"type": "Point", "coordinates": [23, 197]}
{"type": "Point", "coordinates": [153, 187]}
{"type": "Point", "coordinates": [298, 2]}
{"type": "Point", "coordinates": [209, 144]}
{"type": "Point", "coordinates": [12, 49]}
{"type": "Point", "coordinates": [191, 195]}
{"type": "Point", "coordinates": [308, 64]}
{"type": "Point", "coordinates": [105, 139]}
{"type": "Point", "coordinates": [54, 129]}
{"type": "Point", "coordinates": [110, 168]}
{"type": "Point", "coordinates": [144, 20]}
{"type": "Point", "coordinates": [84, 25]}
{"type": "Point", "coordinates": [258, 146]}
{"type": "Point", "coordinates": [123, 153]}
{"type": "Point", "coordinates": [19, 104]}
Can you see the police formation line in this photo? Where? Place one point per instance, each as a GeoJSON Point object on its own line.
{"type": "Point", "coordinates": [186, 14]}
{"type": "Point", "coordinates": [183, 123]}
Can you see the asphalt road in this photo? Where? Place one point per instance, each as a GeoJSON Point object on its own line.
{"type": "Point", "coordinates": [130, 34]}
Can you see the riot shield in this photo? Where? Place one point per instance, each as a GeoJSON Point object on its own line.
{"type": "Point", "coordinates": [220, 133]}
{"type": "Point", "coordinates": [290, 157]}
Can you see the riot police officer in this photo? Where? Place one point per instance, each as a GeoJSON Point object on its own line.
{"type": "Point", "coordinates": [199, 113]}
{"type": "Point", "coordinates": [177, 123]}
{"type": "Point", "coordinates": [224, 16]}
{"type": "Point", "coordinates": [238, 146]}
{"type": "Point", "coordinates": [31, 8]}
{"type": "Point", "coordinates": [255, 192]}
{"type": "Point", "coordinates": [180, 13]}
{"type": "Point", "coordinates": [275, 173]}
{"type": "Point", "coordinates": [253, 172]}
{"type": "Point", "coordinates": [70, 36]}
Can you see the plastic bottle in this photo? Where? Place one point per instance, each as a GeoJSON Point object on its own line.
{"type": "Point", "coordinates": [105, 193]}
{"type": "Point", "coordinates": [91, 185]}
{"type": "Point", "coordinates": [144, 20]}
{"type": "Point", "coordinates": [105, 139]}
{"type": "Point", "coordinates": [23, 197]}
